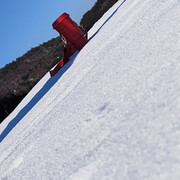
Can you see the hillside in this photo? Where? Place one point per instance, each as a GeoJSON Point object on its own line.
{"type": "Point", "coordinates": [94, 14]}
{"type": "Point", "coordinates": [112, 112]}
{"type": "Point", "coordinates": [20, 76]}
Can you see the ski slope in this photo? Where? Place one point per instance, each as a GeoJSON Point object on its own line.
{"type": "Point", "coordinates": [112, 112]}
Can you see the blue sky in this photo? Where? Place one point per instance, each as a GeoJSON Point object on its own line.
{"type": "Point", "coordinates": [26, 24]}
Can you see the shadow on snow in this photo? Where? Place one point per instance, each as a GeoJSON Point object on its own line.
{"type": "Point", "coordinates": [107, 20]}
{"type": "Point", "coordinates": [47, 86]}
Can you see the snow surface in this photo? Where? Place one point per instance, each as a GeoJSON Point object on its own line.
{"type": "Point", "coordinates": [113, 112]}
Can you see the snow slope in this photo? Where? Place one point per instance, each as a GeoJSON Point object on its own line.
{"type": "Point", "coordinates": [113, 112]}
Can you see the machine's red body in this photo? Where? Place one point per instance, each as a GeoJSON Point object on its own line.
{"type": "Point", "coordinates": [74, 36]}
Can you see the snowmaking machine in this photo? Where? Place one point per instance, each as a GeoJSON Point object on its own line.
{"type": "Point", "coordinates": [73, 36]}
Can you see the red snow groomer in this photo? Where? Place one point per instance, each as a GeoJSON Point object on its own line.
{"type": "Point", "coordinates": [73, 36]}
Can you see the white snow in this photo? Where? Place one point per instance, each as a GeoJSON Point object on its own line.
{"type": "Point", "coordinates": [113, 112]}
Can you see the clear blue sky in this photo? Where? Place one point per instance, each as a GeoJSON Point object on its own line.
{"type": "Point", "coordinates": [27, 23]}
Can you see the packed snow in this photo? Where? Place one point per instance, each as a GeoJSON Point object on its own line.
{"type": "Point", "coordinates": [112, 112]}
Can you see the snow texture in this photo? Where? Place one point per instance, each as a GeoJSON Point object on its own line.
{"type": "Point", "coordinates": [112, 112]}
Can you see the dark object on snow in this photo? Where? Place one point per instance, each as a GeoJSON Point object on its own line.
{"type": "Point", "coordinates": [73, 36]}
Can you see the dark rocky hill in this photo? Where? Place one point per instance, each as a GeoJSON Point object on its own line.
{"type": "Point", "coordinates": [20, 76]}
{"type": "Point", "coordinates": [93, 15]}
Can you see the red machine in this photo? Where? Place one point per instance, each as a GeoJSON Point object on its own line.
{"type": "Point", "coordinates": [74, 38]}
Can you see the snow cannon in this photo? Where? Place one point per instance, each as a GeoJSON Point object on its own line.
{"type": "Point", "coordinates": [73, 36]}
{"type": "Point", "coordinates": [70, 30]}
